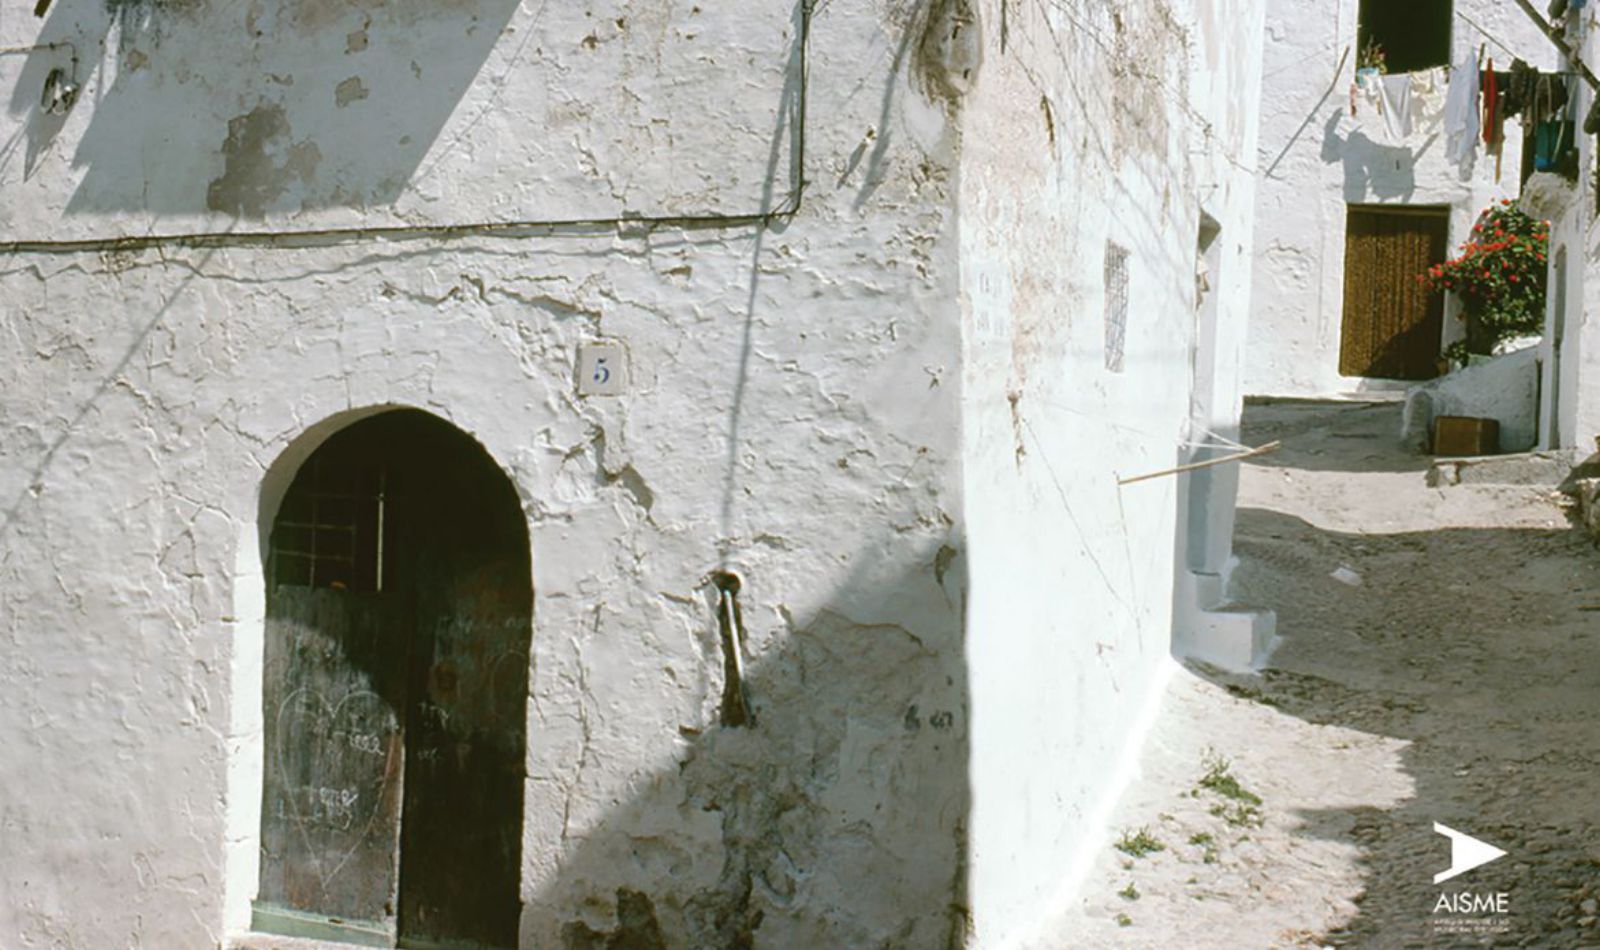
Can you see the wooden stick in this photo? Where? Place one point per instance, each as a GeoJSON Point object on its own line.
{"type": "Point", "coordinates": [1237, 456]}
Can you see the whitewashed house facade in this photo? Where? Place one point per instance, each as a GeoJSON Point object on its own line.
{"type": "Point", "coordinates": [550, 475]}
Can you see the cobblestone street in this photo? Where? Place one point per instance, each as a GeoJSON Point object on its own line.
{"type": "Point", "coordinates": [1449, 676]}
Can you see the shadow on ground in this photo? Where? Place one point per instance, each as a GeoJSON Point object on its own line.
{"type": "Point", "coordinates": [1325, 435]}
{"type": "Point", "coordinates": [1473, 646]}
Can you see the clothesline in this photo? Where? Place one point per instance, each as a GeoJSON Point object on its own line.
{"type": "Point", "coordinates": [1486, 34]}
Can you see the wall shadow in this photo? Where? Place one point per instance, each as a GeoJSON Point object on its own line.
{"type": "Point", "coordinates": [837, 819]}
{"type": "Point", "coordinates": [1471, 645]}
{"type": "Point", "coordinates": [1371, 169]}
{"type": "Point", "coordinates": [334, 102]}
{"type": "Point", "coordinates": [1368, 434]}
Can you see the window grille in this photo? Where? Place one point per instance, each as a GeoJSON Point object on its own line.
{"type": "Point", "coordinates": [329, 532]}
{"type": "Point", "coordinates": [1116, 305]}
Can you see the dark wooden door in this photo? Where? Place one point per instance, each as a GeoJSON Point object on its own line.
{"type": "Point", "coordinates": [461, 542]}
{"type": "Point", "coordinates": [399, 622]}
{"type": "Point", "coordinates": [1392, 323]}
{"type": "Point", "coordinates": [463, 793]}
{"type": "Point", "coordinates": [334, 737]}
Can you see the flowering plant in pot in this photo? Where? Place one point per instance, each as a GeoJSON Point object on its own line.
{"type": "Point", "coordinates": [1371, 60]}
{"type": "Point", "coordinates": [1499, 277]}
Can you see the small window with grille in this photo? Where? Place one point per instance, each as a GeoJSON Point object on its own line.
{"type": "Point", "coordinates": [1116, 305]}
{"type": "Point", "coordinates": [329, 532]}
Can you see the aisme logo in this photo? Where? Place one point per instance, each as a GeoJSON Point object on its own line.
{"type": "Point", "coordinates": [1466, 853]}
{"type": "Point", "coordinates": [1467, 902]}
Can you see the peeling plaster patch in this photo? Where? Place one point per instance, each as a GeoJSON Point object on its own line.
{"type": "Point", "coordinates": [941, 562]}
{"type": "Point", "coordinates": [351, 90]}
{"type": "Point", "coordinates": [952, 48]}
{"type": "Point", "coordinates": [637, 928]}
{"type": "Point", "coordinates": [1148, 55]}
{"type": "Point", "coordinates": [253, 178]}
{"type": "Point", "coordinates": [634, 484]}
{"type": "Point", "coordinates": [145, 7]}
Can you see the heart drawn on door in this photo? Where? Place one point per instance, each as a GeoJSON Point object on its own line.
{"type": "Point", "coordinates": [336, 761]}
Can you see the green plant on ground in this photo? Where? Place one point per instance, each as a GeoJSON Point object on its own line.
{"type": "Point", "coordinates": [1123, 920]}
{"type": "Point", "coordinates": [1220, 779]}
{"type": "Point", "coordinates": [1139, 843]}
{"type": "Point", "coordinates": [1203, 839]}
{"type": "Point", "coordinates": [1238, 814]}
{"type": "Point", "coordinates": [1129, 893]}
{"type": "Point", "coordinates": [1252, 694]}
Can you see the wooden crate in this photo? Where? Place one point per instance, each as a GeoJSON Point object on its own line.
{"type": "Point", "coordinates": [1464, 435]}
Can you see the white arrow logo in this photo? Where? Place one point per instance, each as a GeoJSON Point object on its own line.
{"type": "Point", "coordinates": [1466, 853]}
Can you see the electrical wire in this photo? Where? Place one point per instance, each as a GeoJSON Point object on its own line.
{"type": "Point", "coordinates": [1486, 34]}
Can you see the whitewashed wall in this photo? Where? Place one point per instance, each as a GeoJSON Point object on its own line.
{"type": "Point", "coordinates": [1315, 159]}
{"type": "Point", "coordinates": [793, 413]}
{"type": "Point", "coordinates": [1070, 622]}
{"type": "Point", "coordinates": [1572, 395]}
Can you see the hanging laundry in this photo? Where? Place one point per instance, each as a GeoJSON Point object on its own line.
{"type": "Point", "coordinates": [1520, 88]}
{"type": "Point", "coordinates": [1461, 111]}
{"type": "Point", "coordinates": [1395, 94]}
{"type": "Point", "coordinates": [1428, 97]}
{"type": "Point", "coordinates": [1546, 145]}
{"type": "Point", "coordinates": [1491, 101]}
{"type": "Point", "coordinates": [1368, 89]}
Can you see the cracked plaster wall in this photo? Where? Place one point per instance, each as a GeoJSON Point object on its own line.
{"type": "Point", "coordinates": [1315, 159]}
{"type": "Point", "coordinates": [213, 115]}
{"type": "Point", "coordinates": [863, 411]}
{"type": "Point", "coordinates": [1090, 123]}
{"type": "Point", "coordinates": [793, 412]}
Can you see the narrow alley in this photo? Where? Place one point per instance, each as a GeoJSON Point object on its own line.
{"type": "Point", "coordinates": [1437, 664]}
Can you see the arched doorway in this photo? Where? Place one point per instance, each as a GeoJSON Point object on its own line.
{"type": "Point", "coordinates": [399, 611]}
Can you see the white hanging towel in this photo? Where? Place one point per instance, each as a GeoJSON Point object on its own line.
{"type": "Point", "coordinates": [1396, 92]}
{"type": "Point", "coordinates": [1427, 98]}
{"type": "Point", "coordinates": [1461, 111]}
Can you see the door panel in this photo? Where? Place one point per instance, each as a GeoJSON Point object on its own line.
{"type": "Point", "coordinates": [463, 797]}
{"type": "Point", "coordinates": [334, 741]}
{"type": "Point", "coordinates": [465, 749]}
{"type": "Point", "coordinates": [1392, 323]}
